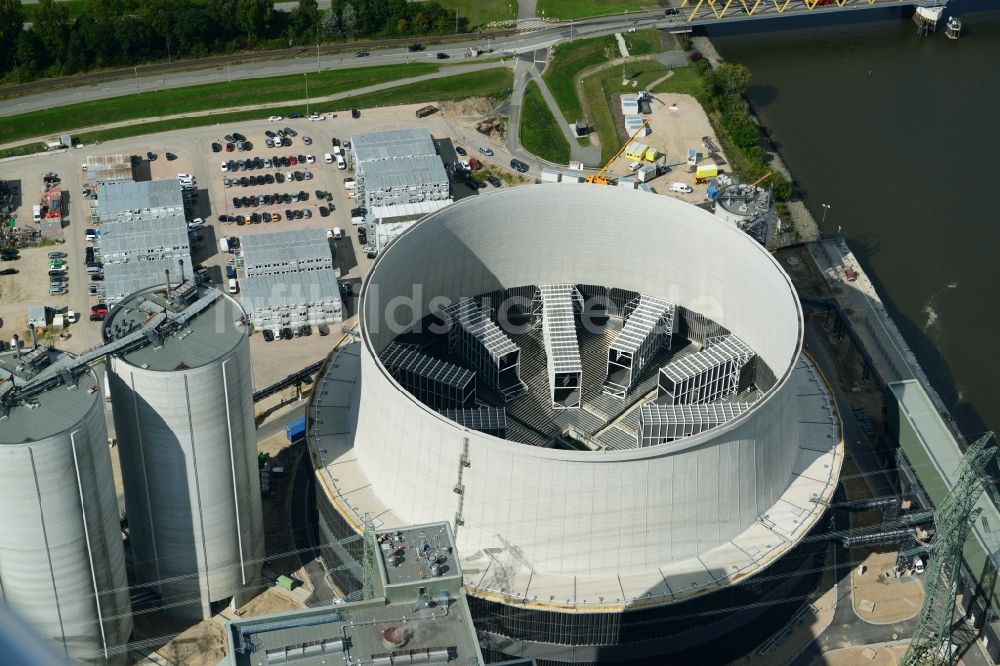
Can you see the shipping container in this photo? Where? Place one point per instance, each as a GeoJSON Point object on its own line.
{"type": "Point", "coordinates": [296, 430]}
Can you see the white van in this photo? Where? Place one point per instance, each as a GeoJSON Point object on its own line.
{"type": "Point", "coordinates": [328, 158]}
{"type": "Point", "coordinates": [337, 233]}
{"type": "Point", "coordinates": [94, 270]}
{"type": "Point", "coordinates": [341, 164]}
{"type": "Point", "coordinates": [224, 245]}
{"type": "Point", "coordinates": [36, 213]}
{"type": "Point", "coordinates": [682, 188]}
{"type": "Point", "coordinates": [232, 286]}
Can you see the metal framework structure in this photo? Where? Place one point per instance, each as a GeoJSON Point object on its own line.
{"type": "Point", "coordinates": [369, 560]}
{"type": "Point", "coordinates": [700, 10]}
{"type": "Point", "coordinates": [490, 420]}
{"type": "Point", "coordinates": [555, 308]}
{"type": "Point", "coordinates": [706, 375]}
{"type": "Point", "coordinates": [659, 424]}
{"type": "Point", "coordinates": [649, 325]}
{"type": "Point", "coordinates": [931, 642]}
{"type": "Point", "coordinates": [486, 348]}
{"type": "Point", "coordinates": [436, 383]}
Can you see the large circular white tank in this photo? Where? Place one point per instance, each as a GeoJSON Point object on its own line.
{"type": "Point", "coordinates": [185, 423]}
{"type": "Point", "coordinates": [62, 564]}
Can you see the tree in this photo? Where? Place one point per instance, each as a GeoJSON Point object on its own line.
{"type": "Point", "coordinates": [305, 18]}
{"type": "Point", "coordinates": [730, 78]}
{"type": "Point", "coordinates": [402, 26]}
{"type": "Point", "coordinates": [254, 17]}
{"type": "Point", "coordinates": [330, 24]}
{"type": "Point", "coordinates": [11, 25]}
{"type": "Point", "coordinates": [51, 26]}
{"type": "Point", "coordinates": [29, 56]}
{"type": "Point", "coordinates": [348, 20]}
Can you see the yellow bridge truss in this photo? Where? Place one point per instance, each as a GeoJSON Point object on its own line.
{"type": "Point", "coordinates": [719, 8]}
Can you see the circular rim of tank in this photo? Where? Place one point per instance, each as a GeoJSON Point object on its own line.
{"type": "Point", "coordinates": [559, 195]}
{"type": "Point", "coordinates": [237, 337]}
{"type": "Point", "coordinates": [97, 397]}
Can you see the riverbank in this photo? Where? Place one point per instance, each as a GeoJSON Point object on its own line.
{"type": "Point", "coordinates": [801, 219]}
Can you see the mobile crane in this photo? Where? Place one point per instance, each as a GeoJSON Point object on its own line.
{"type": "Point", "coordinates": [599, 178]}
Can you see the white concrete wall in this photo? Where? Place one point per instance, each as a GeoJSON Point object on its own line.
{"type": "Point", "coordinates": [564, 512]}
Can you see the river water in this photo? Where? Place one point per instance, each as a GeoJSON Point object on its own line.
{"type": "Point", "coordinates": [906, 157]}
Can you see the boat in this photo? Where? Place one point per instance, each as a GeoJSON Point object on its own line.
{"type": "Point", "coordinates": [953, 29]}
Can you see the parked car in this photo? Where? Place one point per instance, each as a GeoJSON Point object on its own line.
{"type": "Point", "coordinates": [62, 255]}
{"type": "Point", "coordinates": [216, 148]}
{"type": "Point", "coordinates": [486, 151]}
{"type": "Point", "coordinates": [442, 56]}
{"type": "Point", "coordinates": [151, 156]}
{"type": "Point", "coordinates": [519, 166]}
{"type": "Point", "coordinates": [361, 54]}
{"type": "Point", "coordinates": [414, 48]}
{"type": "Point", "coordinates": [307, 140]}
{"type": "Point", "coordinates": [268, 335]}
{"type": "Point", "coordinates": [323, 329]}
{"type": "Point", "coordinates": [494, 181]}
{"type": "Point", "coordinates": [171, 157]}
{"type": "Point", "coordinates": [9, 271]}
{"type": "Point", "coordinates": [100, 308]}
{"type": "Point", "coordinates": [355, 113]}
{"type": "Point", "coordinates": [275, 119]}
{"type": "Point", "coordinates": [461, 151]}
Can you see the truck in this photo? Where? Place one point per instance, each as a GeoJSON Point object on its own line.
{"type": "Point", "coordinates": [425, 111]}
{"type": "Point", "coordinates": [647, 172]}
{"type": "Point", "coordinates": [296, 430]}
{"type": "Point", "coordinates": [705, 171]}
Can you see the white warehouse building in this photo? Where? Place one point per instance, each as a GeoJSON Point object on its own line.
{"type": "Point", "coordinates": [577, 543]}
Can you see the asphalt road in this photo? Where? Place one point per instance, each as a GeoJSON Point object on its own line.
{"type": "Point", "coordinates": [501, 47]}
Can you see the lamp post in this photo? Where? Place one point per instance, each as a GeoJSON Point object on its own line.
{"type": "Point", "coordinates": [826, 209]}
{"type": "Point", "coordinates": [306, 75]}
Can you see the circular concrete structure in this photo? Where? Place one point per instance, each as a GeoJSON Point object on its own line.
{"type": "Point", "coordinates": [183, 410]}
{"type": "Point", "coordinates": [62, 564]}
{"type": "Point", "coordinates": [590, 532]}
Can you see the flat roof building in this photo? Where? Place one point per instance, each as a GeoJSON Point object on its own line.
{"type": "Point", "coordinates": [289, 279]}
{"type": "Point", "coordinates": [392, 144]}
{"type": "Point", "coordinates": [143, 234]}
{"type": "Point", "coordinates": [419, 614]}
{"type": "Point", "coordinates": [108, 167]}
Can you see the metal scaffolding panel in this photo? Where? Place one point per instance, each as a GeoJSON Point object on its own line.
{"type": "Point", "coordinates": [481, 343]}
{"type": "Point", "coordinates": [659, 424]}
{"type": "Point", "coordinates": [436, 383]}
{"type": "Point", "coordinates": [490, 420]}
{"type": "Point", "coordinates": [560, 305]}
{"type": "Point", "coordinates": [649, 325]}
{"type": "Point", "coordinates": [706, 375]}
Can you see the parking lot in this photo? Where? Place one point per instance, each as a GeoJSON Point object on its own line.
{"type": "Point", "coordinates": [194, 155]}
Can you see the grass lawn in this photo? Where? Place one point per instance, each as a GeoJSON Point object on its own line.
{"type": "Point", "coordinates": [685, 81]}
{"type": "Point", "coordinates": [75, 9]}
{"type": "Point", "coordinates": [200, 98]}
{"type": "Point", "coordinates": [600, 90]}
{"type": "Point", "coordinates": [491, 82]}
{"type": "Point", "coordinates": [540, 135]}
{"type": "Point", "coordinates": [570, 59]}
{"type": "Point", "coordinates": [494, 83]}
{"type": "Point", "coordinates": [570, 9]}
{"type": "Point", "coordinates": [481, 12]}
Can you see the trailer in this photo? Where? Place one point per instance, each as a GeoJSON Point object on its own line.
{"type": "Point", "coordinates": [425, 111]}
{"type": "Point", "coordinates": [296, 430]}
{"type": "Point", "coordinates": [648, 172]}
{"type": "Point", "coordinates": [550, 176]}
{"type": "Point", "coordinates": [705, 171]}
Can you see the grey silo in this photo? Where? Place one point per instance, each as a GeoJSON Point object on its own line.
{"type": "Point", "coordinates": [62, 564]}
{"type": "Point", "coordinates": [183, 412]}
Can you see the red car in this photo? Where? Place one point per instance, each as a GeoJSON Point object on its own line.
{"type": "Point", "coordinates": [475, 164]}
{"type": "Point", "coordinates": [99, 309]}
{"type": "Point", "coordinates": [851, 275]}
{"type": "Point", "coordinates": [292, 161]}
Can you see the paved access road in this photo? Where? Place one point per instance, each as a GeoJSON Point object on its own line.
{"type": "Point", "coordinates": [66, 94]}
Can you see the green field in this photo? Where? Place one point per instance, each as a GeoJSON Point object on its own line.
{"type": "Point", "coordinates": [493, 83]}
{"type": "Point", "coordinates": [201, 98]}
{"type": "Point", "coordinates": [481, 12]}
{"type": "Point", "coordinates": [686, 81]}
{"type": "Point", "coordinates": [573, 57]}
{"type": "Point", "coordinates": [570, 9]}
{"type": "Point", "coordinates": [600, 90]}
{"type": "Point", "coordinates": [488, 83]}
{"type": "Point", "coordinates": [76, 8]}
{"type": "Point", "coordinates": [540, 135]}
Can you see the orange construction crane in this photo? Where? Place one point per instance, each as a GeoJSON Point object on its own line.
{"type": "Point", "coordinates": [761, 179]}
{"type": "Point", "coordinates": [599, 178]}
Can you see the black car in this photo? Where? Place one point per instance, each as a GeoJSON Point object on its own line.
{"type": "Point", "coordinates": [239, 137]}
{"type": "Point", "coordinates": [245, 201]}
{"type": "Point", "coordinates": [229, 138]}
{"type": "Point", "coordinates": [266, 199]}
{"type": "Point", "coordinates": [303, 196]}
{"type": "Point", "coordinates": [279, 177]}
{"type": "Point", "coordinates": [286, 198]}
{"type": "Point", "coordinates": [244, 182]}
{"type": "Point", "coordinates": [355, 113]}
{"type": "Point", "coordinates": [283, 160]}
{"type": "Point", "coordinates": [362, 236]}
{"type": "Point", "coordinates": [297, 175]}
{"type": "Point", "coordinates": [358, 212]}
{"type": "Point", "coordinates": [9, 271]}
{"type": "Point", "coordinates": [289, 131]}
{"type": "Point", "coordinates": [256, 218]}
{"type": "Point", "coordinates": [673, 11]}
{"type": "Point", "coordinates": [289, 214]}
{"type": "Point", "coordinates": [518, 165]}
{"type": "Point", "coordinates": [54, 273]}
{"type": "Point", "coordinates": [281, 133]}
{"type": "Point", "coordinates": [216, 147]}
{"type": "Point", "coordinates": [286, 142]}
{"type": "Point", "coordinates": [494, 181]}
{"type": "Point", "coordinates": [298, 214]}
{"type": "Point", "coordinates": [294, 115]}
{"type": "Point", "coordinates": [266, 217]}
{"type": "Point", "coordinates": [171, 157]}
{"type": "Point", "coordinates": [97, 277]}
{"type": "Point", "coordinates": [461, 151]}
{"type": "Point", "coordinates": [53, 279]}
{"type": "Point", "coordinates": [151, 156]}
{"type": "Point", "coordinates": [472, 184]}
{"type": "Point", "coordinates": [259, 162]}
{"type": "Point", "coordinates": [269, 134]}
{"type": "Point", "coordinates": [268, 179]}
{"type": "Point", "coordinates": [324, 211]}
{"type": "Point", "coordinates": [361, 54]}
{"type": "Point", "coordinates": [323, 329]}
{"type": "Point", "coordinates": [334, 142]}
{"type": "Point", "coordinates": [306, 330]}
{"type": "Point", "coordinates": [237, 203]}
{"type": "Point", "coordinates": [286, 334]}
{"type": "Point", "coordinates": [443, 56]}
{"type": "Point", "coordinates": [268, 335]}
{"type": "Point", "coordinates": [253, 181]}
{"type": "Point", "coordinates": [413, 48]}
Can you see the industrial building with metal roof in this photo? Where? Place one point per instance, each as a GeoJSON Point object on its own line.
{"type": "Point", "coordinates": [392, 144]}
{"type": "Point", "coordinates": [108, 167]}
{"type": "Point", "coordinates": [289, 279]}
{"type": "Point", "coordinates": [123, 196]}
{"type": "Point", "coordinates": [576, 547]}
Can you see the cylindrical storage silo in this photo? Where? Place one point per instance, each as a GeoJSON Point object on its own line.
{"type": "Point", "coordinates": [62, 564]}
{"type": "Point", "coordinates": [183, 409]}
